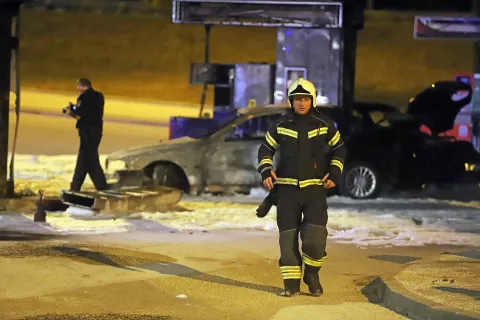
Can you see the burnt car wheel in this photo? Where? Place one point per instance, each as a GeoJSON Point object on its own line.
{"type": "Point", "coordinates": [360, 181]}
{"type": "Point", "coordinates": [166, 175]}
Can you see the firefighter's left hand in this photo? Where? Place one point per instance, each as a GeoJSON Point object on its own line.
{"type": "Point", "coordinates": [327, 183]}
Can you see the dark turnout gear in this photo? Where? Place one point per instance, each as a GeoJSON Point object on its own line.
{"type": "Point", "coordinates": [89, 107]}
{"type": "Point", "coordinates": [308, 142]}
{"type": "Point", "coordinates": [310, 147]}
{"type": "Point", "coordinates": [291, 203]}
{"type": "Point", "coordinates": [314, 241]}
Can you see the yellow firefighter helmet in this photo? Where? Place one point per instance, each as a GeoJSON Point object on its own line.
{"type": "Point", "coordinates": [302, 86]}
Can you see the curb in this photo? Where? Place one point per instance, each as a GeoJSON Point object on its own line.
{"type": "Point", "coordinates": [395, 297]}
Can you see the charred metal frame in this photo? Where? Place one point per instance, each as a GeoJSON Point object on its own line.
{"type": "Point", "coordinates": [260, 13]}
{"type": "Point", "coordinates": [9, 44]}
{"type": "Point", "coordinates": [329, 26]}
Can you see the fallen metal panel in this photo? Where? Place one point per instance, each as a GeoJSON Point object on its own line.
{"type": "Point", "coordinates": [77, 199]}
{"type": "Point", "coordinates": [123, 200]}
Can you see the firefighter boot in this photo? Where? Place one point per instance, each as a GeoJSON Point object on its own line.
{"type": "Point", "coordinates": [292, 287]}
{"type": "Point", "coordinates": [312, 280]}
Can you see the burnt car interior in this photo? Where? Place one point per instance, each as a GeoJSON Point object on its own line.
{"type": "Point", "coordinates": [254, 128]}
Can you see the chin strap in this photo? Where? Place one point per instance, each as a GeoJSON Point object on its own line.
{"type": "Point", "coordinates": [315, 108]}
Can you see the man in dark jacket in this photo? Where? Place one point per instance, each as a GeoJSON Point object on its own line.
{"type": "Point", "coordinates": [311, 160]}
{"type": "Point", "coordinates": [89, 114]}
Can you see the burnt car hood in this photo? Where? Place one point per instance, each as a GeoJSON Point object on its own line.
{"type": "Point", "coordinates": [438, 105]}
{"type": "Point", "coordinates": [139, 150]}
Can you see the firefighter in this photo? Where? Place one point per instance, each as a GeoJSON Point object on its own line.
{"type": "Point", "coordinates": [311, 161]}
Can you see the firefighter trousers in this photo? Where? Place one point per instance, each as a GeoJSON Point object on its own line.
{"type": "Point", "coordinates": [301, 211]}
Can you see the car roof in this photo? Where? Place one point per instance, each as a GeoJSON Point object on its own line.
{"type": "Point", "coordinates": [263, 110]}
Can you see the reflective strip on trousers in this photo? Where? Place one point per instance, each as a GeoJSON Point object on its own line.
{"type": "Point", "coordinates": [291, 272]}
{"type": "Point", "coordinates": [313, 262]}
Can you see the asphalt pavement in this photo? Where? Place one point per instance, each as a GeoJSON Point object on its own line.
{"type": "Point", "coordinates": [54, 135]}
{"type": "Point", "coordinates": [215, 275]}
{"type": "Point", "coordinates": [159, 274]}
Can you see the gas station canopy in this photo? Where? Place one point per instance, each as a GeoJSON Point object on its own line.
{"type": "Point", "coordinates": [265, 13]}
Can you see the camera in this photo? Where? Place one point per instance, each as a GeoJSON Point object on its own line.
{"type": "Point", "coordinates": [70, 106]}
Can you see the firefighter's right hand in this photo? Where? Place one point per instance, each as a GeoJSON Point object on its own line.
{"type": "Point", "coordinates": [268, 182]}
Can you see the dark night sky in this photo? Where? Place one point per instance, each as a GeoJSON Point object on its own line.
{"type": "Point", "coordinates": [430, 5]}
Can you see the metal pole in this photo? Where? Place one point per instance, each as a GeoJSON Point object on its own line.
{"type": "Point", "coordinates": [353, 21]}
{"type": "Point", "coordinates": [16, 35]}
{"type": "Point", "coordinates": [349, 67]}
{"type": "Point", "coordinates": [476, 69]}
{"type": "Point", "coordinates": [370, 4]}
{"type": "Point", "coordinates": [476, 12]}
{"type": "Point", "coordinates": [208, 28]}
{"type": "Point", "coordinates": [6, 14]}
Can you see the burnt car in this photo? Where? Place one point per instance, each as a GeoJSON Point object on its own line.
{"type": "Point", "coordinates": [386, 150]}
{"type": "Point", "coordinates": [220, 160]}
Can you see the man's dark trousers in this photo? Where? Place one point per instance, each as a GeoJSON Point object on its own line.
{"type": "Point", "coordinates": [88, 160]}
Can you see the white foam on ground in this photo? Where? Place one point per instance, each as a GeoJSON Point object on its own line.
{"type": "Point", "coordinates": [363, 228]}
{"type": "Point", "coordinates": [61, 222]}
{"type": "Point", "coordinates": [49, 173]}
{"type": "Point", "coordinates": [385, 222]}
{"type": "Point", "coordinates": [81, 213]}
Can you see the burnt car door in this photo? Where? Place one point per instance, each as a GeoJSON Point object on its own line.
{"type": "Point", "coordinates": [231, 158]}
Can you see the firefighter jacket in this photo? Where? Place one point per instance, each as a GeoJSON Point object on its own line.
{"type": "Point", "coordinates": [309, 147]}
